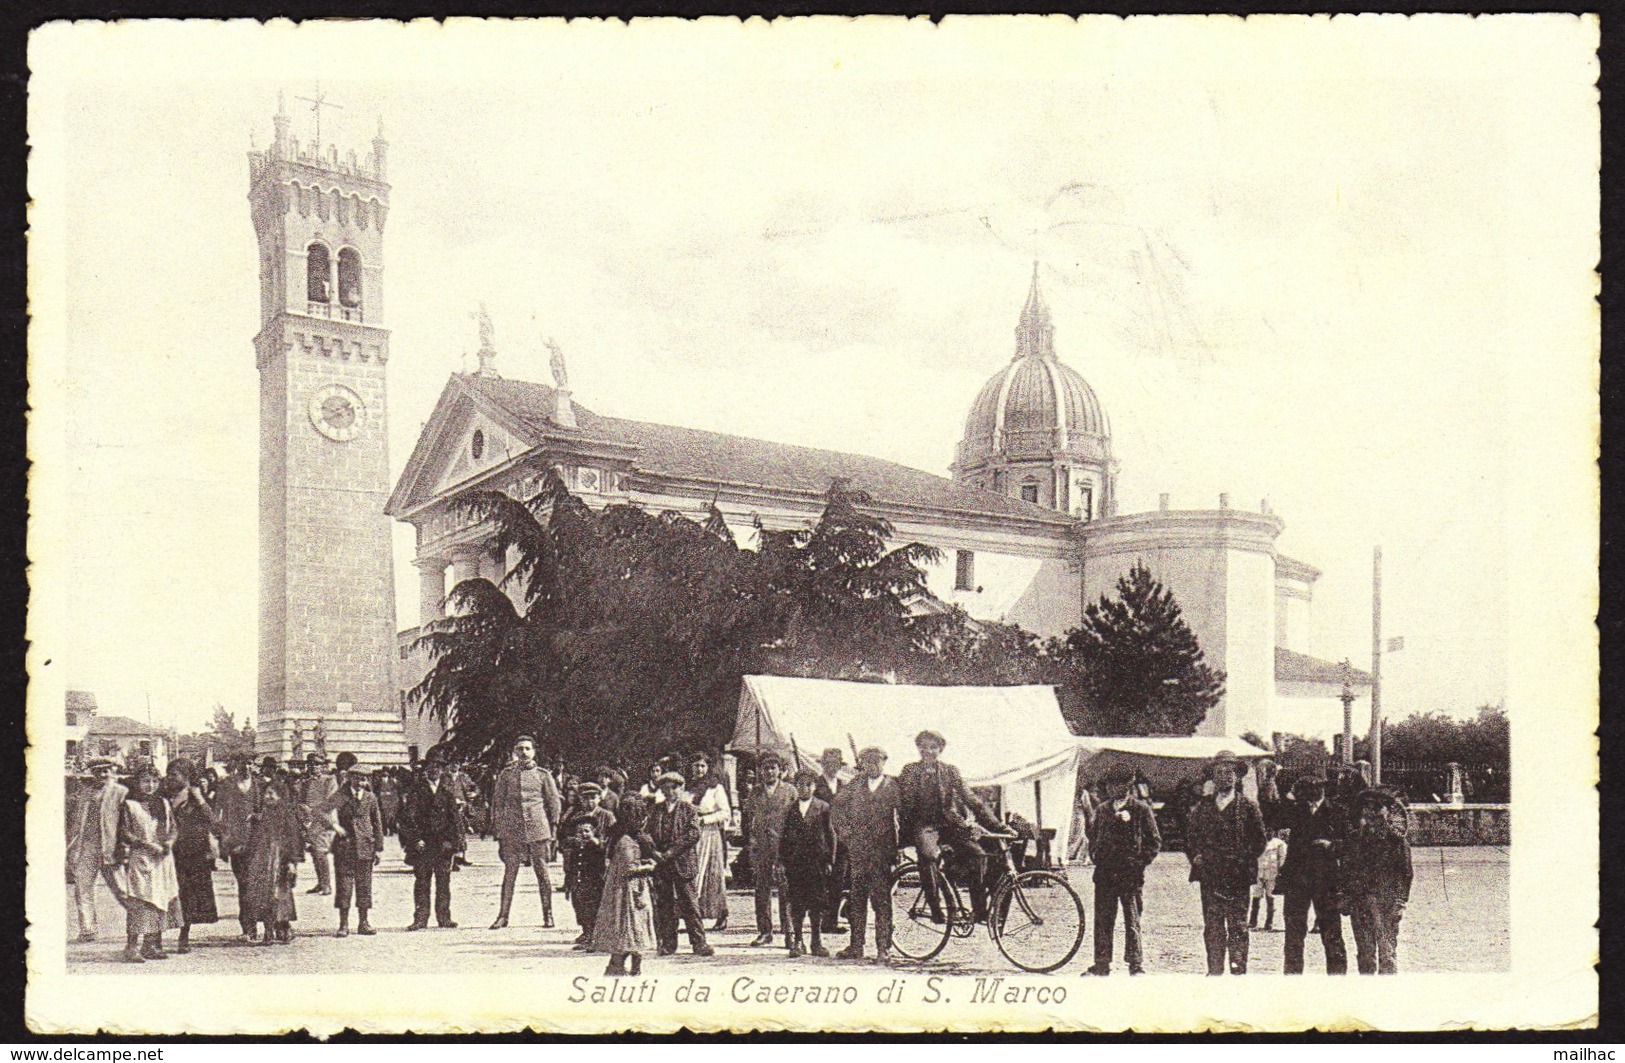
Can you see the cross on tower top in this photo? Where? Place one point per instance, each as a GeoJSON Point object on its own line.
{"type": "Point", "coordinates": [317, 102]}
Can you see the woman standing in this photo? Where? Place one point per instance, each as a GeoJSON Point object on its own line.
{"type": "Point", "coordinates": [275, 844]}
{"type": "Point", "coordinates": [194, 863]}
{"type": "Point", "coordinates": [710, 800]}
{"type": "Point", "coordinates": [625, 924]}
{"type": "Point", "coordinates": [147, 830]}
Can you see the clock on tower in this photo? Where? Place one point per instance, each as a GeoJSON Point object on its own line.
{"type": "Point", "coordinates": [327, 596]}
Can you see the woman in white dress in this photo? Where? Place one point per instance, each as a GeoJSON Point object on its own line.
{"type": "Point", "coordinates": [147, 831]}
{"type": "Point", "coordinates": [710, 800]}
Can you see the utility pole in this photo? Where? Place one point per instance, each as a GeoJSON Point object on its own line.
{"type": "Point", "coordinates": [1376, 666]}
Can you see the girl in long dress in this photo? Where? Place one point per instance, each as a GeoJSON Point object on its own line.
{"type": "Point", "coordinates": [147, 832]}
{"type": "Point", "coordinates": [194, 862]}
{"type": "Point", "coordinates": [710, 799]}
{"type": "Point", "coordinates": [275, 844]}
{"type": "Point", "coordinates": [625, 926]}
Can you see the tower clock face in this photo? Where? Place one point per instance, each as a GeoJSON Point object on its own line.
{"type": "Point", "coordinates": [337, 412]}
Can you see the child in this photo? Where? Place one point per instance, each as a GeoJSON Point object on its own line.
{"type": "Point", "coordinates": [807, 854]}
{"type": "Point", "coordinates": [625, 924]}
{"type": "Point", "coordinates": [1377, 880]}
{"type": "Point", "coordinates": [358, 847]}
{"type": "Point", "coordinates": [147, 832]}
{"type": "Point", "coordinates": [586, 832]}
{"type": "Point", "coordinates": [1269, 869]}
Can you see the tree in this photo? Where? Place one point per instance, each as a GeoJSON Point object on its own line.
{"type": "Point", "coordinates": [1133, 667]}
{"type": "Point", "coordinates": [223, 736]}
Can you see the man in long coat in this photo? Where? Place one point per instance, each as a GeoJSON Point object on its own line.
{"type": "Point", "coordinates": [829, 784]}
{"type": "Point", "coordinates": [1310, 876]}
{"type": "Point", "coordinates": [1225, 836]}
{"type": "Point", "coordinates": [936, 808]}
{"type": "Point", "coordinates": [865, 821]}
{"type": "Point", "coordinates": [93, 842]}
{"type": "Point", "coordinates": [807, 853]}
{"type": "Point", "coordinates": [674, 831]}
{"type": "Point", "coordinates": [768, 807]}
{"type": "Point", "coordinates": [525, 811]}
{"type": "Point", "coordinates": [431, 831]}
{"type": "Point", "coordinates": [236, 800]}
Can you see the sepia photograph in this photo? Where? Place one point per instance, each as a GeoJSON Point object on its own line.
{"type": "Point", "coordinates": [834, 525]}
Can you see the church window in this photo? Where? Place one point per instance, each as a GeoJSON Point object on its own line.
{"type": "Point", "coordinates": [343, 209]}
{"type": "Point", "coordinates": [476, 445]}
{"type": "Point", "coordinates": [964, 570]}
{"type": "Point", "coordinates": [318, 273]}
{"type": "Point", "coordinates": [1029, 492]}
{"type": "Point", "coordinates": [1085, 509]}
{"type": "Point", "coordinates": [322, 204]}
{"type": "Point", "coordinates": [349, 278]}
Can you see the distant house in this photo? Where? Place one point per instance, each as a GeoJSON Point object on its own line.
{"type": "Point", "coordinates": [81, 710]}
{"type": "Point", "coordinates": [127, 740]}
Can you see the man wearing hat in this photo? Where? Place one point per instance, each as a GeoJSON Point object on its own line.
{"type": "Point", "coordinates": [236, 800]}
{"type": "Point", "coordinates": [936, 807]}
{"type": "Point", "coordinates": [358, 843]}
{"type": "Point", "coordinates": [320, 827]}
{"type": "Point", "coordinates": [674, 830]}
{"type": "Point", "coordinates": [865, 820]}
{"type": "Point", "coordinates": [1225, 835]}
{"type": "Point", "coordinates": [1310, 876]}
{"type": "Point", "coordinates": [1377, 879]}
{"type": "Point", "coordinates": [93, 841]}
{"type": "Point", "coordinates": [830, 763]}
{"type": "Point", "coordinates": [431, 831]}
{"type": "Point", "coordinates": [768, 807]}
{"type": "Point", "coordinates": [1125, 842]}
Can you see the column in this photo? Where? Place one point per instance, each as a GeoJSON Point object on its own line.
{"type": "Point", "coordinates": [431, 589]}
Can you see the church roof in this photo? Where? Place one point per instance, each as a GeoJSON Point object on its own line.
{"type": "Point", "coordinates": [716, 457]}
{"type": "Point", "coordinates": [1294, 667]}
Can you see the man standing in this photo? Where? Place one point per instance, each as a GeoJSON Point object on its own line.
{"type": "Point", "coordinates": [93, 842]}
{"type": "Point", "coordinates": [524, 809]}
{"type": "Point", "coordinates": [865, 820]}
{"type": "Point", "coordinates": [1125, 842]}
{"type": "Point", "coordinates": [236, 800]}
{"type": "Point", "coordinates": [829, 784]}
{"type": "Point", "coordinates": [806, 852]}
{"type": "Point", "coordinates": [320, 827]}
{"type": "Point", "coordinates": [1225, 835]}
{"type": "Point", "coordinates": [674, 830]}
{"type": "Point", "coordinates": [936, 807]}
{"type": "Point", "coordinates": [356, 847]}
{"type": "Point", "coordinates": [430, 829]}
{"type": "Point", "coordinates": [1377, 880]}
{"type": "Point", "coordinates": [585, 840]}
{"type": "Point", "coordinates": [1309, 876]}
{"type": "Point", "coordinates": [768, 808]}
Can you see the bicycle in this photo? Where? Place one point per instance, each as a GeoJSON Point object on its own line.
{"type": "Point", "coordinates": [1034, 917]}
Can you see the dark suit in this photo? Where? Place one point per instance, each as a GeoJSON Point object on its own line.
{"type": "Point", "coordinates": [1310, 876]}
{"type": "Point", "coordinates": [674, 829]}
{"type": "Point", "coordinates": [807, 853]}
{"type": "Point", "coordinates": [865, 821]}
{"type": "Point", "coordinates": [1122, 844]}
{"type": "Point", "coordinates": [935, 806]}
{"type": "Point", "coordinates": [1224, 846]}
{"type": "Point", "coordinates": [431, 825]}
{"type": "Point", "coordinates": [826, 792]}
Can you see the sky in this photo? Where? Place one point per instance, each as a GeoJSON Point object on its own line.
{"type": "Point", "coordinates": [1288, 267]}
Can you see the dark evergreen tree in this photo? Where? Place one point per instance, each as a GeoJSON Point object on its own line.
{"type": "Point", "coordinates": [1134, 666]}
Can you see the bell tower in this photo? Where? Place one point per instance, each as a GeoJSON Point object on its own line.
{"type": "Point", "coordinates": [327, 596]}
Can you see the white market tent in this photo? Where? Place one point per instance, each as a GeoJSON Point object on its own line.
{"type": "Point", "coordinates": [1164, 761]}
{"type": "Point", "coordinates": [1013, 738]}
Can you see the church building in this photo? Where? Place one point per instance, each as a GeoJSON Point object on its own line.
{"type": "Point", "coordinates": [1027, 521]}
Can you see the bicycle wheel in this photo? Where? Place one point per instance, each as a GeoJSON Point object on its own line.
{"type": "Point", "coordinates": [915, 934]}
{"type": "Point", "coordinates": [1037, 921]}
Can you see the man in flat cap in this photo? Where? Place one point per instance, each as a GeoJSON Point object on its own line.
{"type": "Point", "coordinates": [768, 807]}
{"type": "Point", "coordinates": [1310, 876]}
{"type": "Point", "coordinates": [865, 820]}
{"type": "Point", "coordinates": [1125, 842]}
{"type": "Point", "coordinates": [1225, 836]}
{"type": "Point", "coordinates": [358, 845]}
{"type": "Point", "coordinates": [674, 829]}
{"type": "Point", "coordinates": [936, 807]}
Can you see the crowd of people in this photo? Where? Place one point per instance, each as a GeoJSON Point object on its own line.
{"type": "Point", "coordinates": [1335, 847]}
{"type": "Point", "coordinates": [640, 861]}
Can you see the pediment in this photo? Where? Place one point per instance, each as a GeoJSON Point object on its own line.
{"type": "Point", "coordinates": [463, 439]}
{"type": "Point", "coordinates": [478, 445]}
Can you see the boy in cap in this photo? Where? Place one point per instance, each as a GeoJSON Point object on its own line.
{"type": "Point", "coordinates": [357, 844]}
{"type": "Point", "coordinates": [586, 835]}
{"type": "Point", "coordinates": [807, 853]}
{"type": "Point", "coordinates": [1225, 836]}
{"type": "Point", "coordinates": [1125, 842]}
{"type": "Point", "coordinates": [1377, 880]}
{"type": "Point", "coordinates": [865, 820]}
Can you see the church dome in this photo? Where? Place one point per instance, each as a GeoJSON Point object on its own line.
{"type": "Point", "coordinates": [1036, 403]}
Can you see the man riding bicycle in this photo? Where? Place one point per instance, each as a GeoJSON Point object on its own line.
{"type": "Point", "coordinates": [936, 808]}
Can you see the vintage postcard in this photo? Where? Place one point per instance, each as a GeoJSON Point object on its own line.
{"type": "Point", "coordinates": [824, 525]}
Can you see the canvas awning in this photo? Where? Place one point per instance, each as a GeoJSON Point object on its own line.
{"type": "Point", "coordinates": [1164, 761]}
{"type": "Point", "coordinates": [1013, 738]}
